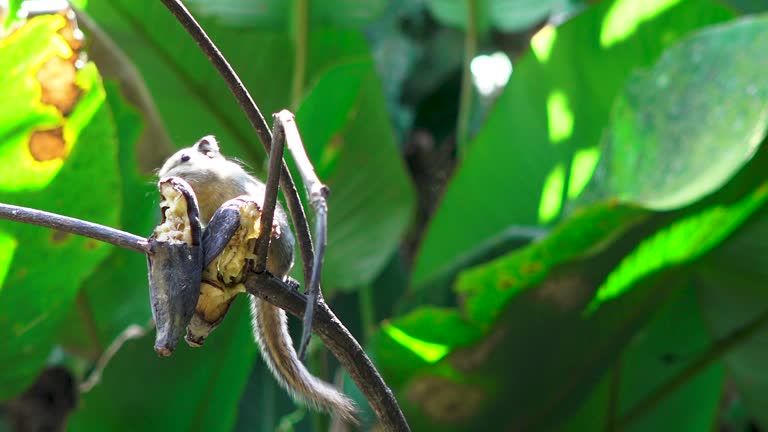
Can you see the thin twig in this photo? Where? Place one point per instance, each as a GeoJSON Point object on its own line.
{"type": "Point", "coordinates": [270, 197]}
{"type": "Point", "coordinates": [74, 226]}
{"type": "Point", "coordinates": [133, 331]}
{"type": "Point", "coordinates": [340, 342]}
{"type": "Point", "coordinates": [318, 194]}
{"type": "Point", "coordinates": [253, 113]}
{"type": "Point", "coordinates": [89, 323]}
{"type": "Point", "coordinates": [714, 353]}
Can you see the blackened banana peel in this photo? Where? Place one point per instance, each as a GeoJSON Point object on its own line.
{"type": "Point", "coordinates": [194, 275]}
{"type": "Point", "coordinates": [175, 263]}
{"type": "Point", "coordinates": [228, 242]}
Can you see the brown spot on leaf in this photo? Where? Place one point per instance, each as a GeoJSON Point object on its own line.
{"type": "Point", "coordinates": [468, 359]}
{"type": "Point", "coordinates": [444, 400]}
{"type": "Point", "coordinates": [90, 244]}
{"type": "Point", "coordinates": [47, 145]}
{"type": "Point", "coordinates": [507, 282]}
{"type": "Point", "coordinates": [567, 291]}
{"type": "Point", "coordinates": [57, 81]}
{"type": "Point", "coordinates": [58, 237]}
{"type": "Point", "coordinates": [530, 268]}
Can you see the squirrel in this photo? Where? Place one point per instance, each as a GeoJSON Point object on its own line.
{"type": "Point", "coordinates": [215, 180]}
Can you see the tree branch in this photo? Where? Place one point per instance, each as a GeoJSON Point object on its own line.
{"type": "Point", "coordinates": [339, 341]}
{"type": "Point", "coordinates": [317, 194]}
{"type": "Point", "coordinates": [74, 226]}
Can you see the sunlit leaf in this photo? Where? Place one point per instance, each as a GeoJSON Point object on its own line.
{"type": "Point", "coordinates": [681, 242]}
{"type": "Point", "coordinates": [683, 128]}
{"type": "Point", "coordinates": [53, 160]}
{"type": "Point", "coordinates": [489, 287]}
{"type": "Point", "coordinates": [549, 120]}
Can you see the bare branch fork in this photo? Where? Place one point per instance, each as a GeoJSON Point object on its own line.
{"type": "Point", "coordinates": [259, 282]}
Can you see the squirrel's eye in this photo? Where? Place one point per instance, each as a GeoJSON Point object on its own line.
{"type": "Point", "coordinates": [184, 157]}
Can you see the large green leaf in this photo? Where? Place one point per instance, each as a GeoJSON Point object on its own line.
{"type": "Point", "coordinates": [666, 346]}
{"type": "Point", "coordinates": [490, 286]}
{"type": "Point", "coordinates": [504, 15]}
{"type": "Point", "coordinates": [539, 144]}
{"type": "Point", "coordinates": [680, 130]}
{"type": "Point", "coordinates": [191, 98]}
{"type": "Point", "coordinates": [116, 295]}
{"type": "Point", "coordinates": [195, 389]}
{"type": "Point", "coordinates": [65, 163]}
{"type": "Point", "coordinates": [465, 378]}
{"type": "Point", "coordinates": [681, 242]}
{"type": "Point", "coordinates": [732, 284]}
{"type": "Point", "coordinates": [346, 131]}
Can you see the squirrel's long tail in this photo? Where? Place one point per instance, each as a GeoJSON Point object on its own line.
{"type": "Point", "coordinates": [271, 331]}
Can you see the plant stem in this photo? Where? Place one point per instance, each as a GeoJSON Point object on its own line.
{"type": "Point", "coordinates": [89, 323]}
{"type": "Point", "coordinates": [300, 29]}
{"type": "Point", "coordinates": [714, 353]}
{"type": "Point", "coordinates": [367, 310]}
{"type": "Point", "coordinates": [465, 97]}
{"type": "Point", "coordinates": [74, 226]}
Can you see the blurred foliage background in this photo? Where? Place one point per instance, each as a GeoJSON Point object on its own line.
{"type": "Point", "coordinates": [545, 215]}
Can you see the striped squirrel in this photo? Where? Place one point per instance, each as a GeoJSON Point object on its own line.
{"type": "Point", "coordinates": [216, 180]}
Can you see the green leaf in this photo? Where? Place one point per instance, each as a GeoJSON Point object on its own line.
{"type": "Point", "coordinates": [731, 283]}
{"type": "Point", "coordinates": [11, 12]}
{"type": "Point", "coordinates": [539, 343]}
{"type": "Point", "coordinates": [681, 242]}
{"type": "Point", "coordinates": [490, 286]}
{"type": "Point", "coordinates": [439, 331]}
{"type": "Point", "coordinates": [748, 6]}
{"type": "Point", "coordinates": [670, 343]}
{"type": "Point", "coordinates": [667, 345]}
{"type": "Point", "coordinates": [116, 295]}
{"type": "Point", "coordinates": [345, 128]}
{"type": "Point", "coordinates": [191, 97]}
{"type": "Point", "coordinates": [195, 389]}
{"type": "Point", "coordinates": [276, 14]}
{"type": "Point", "coordinates": [503, 15]}
{"type": "Point", "coordinates": [75, 174]}
{"type": "Point", "coordinates": [539, 144]}
{"type": "Point", "coordinates": [684, 128]}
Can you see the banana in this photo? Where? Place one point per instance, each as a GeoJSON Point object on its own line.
{"type": "Point", "coordinates": [175, 263]}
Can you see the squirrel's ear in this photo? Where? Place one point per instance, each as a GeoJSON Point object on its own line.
{"type": "Point", "coordinates": [208, 145]}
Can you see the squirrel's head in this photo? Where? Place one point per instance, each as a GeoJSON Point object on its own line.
{"type": "Point", "coordinates": [192, 161]}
